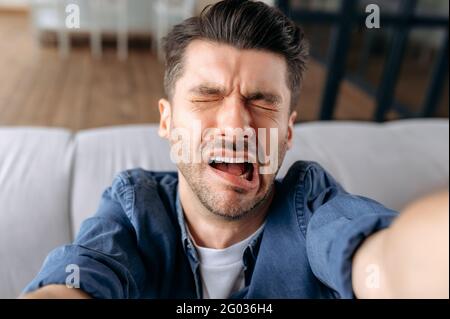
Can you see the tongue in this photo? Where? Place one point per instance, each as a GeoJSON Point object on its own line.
{"type": "Point", "coordinates": [234, 169]}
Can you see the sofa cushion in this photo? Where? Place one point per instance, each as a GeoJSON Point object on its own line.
{"type": "Point", "coordinates": [102, 153]}
{"type": "Point", "coordinates": [35, 173]}
{"type": "Point", "coordinates": [393, 163]}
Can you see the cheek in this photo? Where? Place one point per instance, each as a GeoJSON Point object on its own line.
{"type": "Point", "coordinates": [274, 133]}
{"type": "Point", "coordinates": [269, 118]}
{"type": "Point", "coordinates": [184, 113]}
{"type": "Point", "coordinates": [193, 125]}
{"type": "Point", "coordinates": [181, 115]}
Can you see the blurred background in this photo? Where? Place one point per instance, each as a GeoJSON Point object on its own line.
{"type": "Point", "coordinates": [59, 84]}
{"type": "Point", "coordinates": [109, 71]}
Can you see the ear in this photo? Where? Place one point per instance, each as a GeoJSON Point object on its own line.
{"type": "Point", "coordinates": [165, 112]}
{"type": "Point", "coordinates": [290, 132]}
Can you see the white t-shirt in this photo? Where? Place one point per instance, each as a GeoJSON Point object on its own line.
{"type": "Point", "coordinates": [222, 270]}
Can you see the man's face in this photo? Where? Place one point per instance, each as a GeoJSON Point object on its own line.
{"type": "Point", "coordinates": [225, 88]}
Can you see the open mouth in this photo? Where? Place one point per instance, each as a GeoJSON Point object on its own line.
{"type": "Point", "coordinates": [232, 166]}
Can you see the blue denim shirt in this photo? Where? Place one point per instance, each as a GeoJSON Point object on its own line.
{"type": "Point", "coordinates": [136, 245]}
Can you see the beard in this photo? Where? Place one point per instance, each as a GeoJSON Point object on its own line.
{"type": "Point", "coordinates": [231, 203]}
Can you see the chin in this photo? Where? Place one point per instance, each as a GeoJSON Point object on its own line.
{"type": "Point", "coordinates": [229, 202]}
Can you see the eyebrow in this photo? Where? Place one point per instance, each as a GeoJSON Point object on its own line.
{"type": "Point", "coordinates": [207, 89]}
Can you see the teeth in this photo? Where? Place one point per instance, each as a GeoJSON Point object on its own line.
{"type": "Point", "coordinates": [226, 159]}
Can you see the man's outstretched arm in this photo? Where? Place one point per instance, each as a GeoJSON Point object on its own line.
{"type": "Point", "coordinates": [410, 259]}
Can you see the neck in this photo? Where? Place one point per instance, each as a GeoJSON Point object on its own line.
{"type": "Point", "coordinates": [212, 231]}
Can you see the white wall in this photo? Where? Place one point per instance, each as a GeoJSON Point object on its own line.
{"type": "Point", "coordinates": [14, 3]}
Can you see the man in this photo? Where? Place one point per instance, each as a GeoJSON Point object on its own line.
{"type": "Point", "coordinates": [223, 227]}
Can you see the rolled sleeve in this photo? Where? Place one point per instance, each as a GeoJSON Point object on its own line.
{"type": "Point", "coordinates": [96, 276]}
{"type": "Point", "coordinates": [335, 232]}
{"type": "Point", "coordinates": [338, 224]}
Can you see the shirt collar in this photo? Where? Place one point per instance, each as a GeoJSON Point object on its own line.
{"type": "Point", "coordinates": [186, 240]}
{"type": "Point", "coordinates": [249, 254]}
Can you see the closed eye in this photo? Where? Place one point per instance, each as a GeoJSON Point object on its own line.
{"type": "Point", "coordinates": [205, 100]}
{"type": "Point", "coordinates": [263, 105]}
{"type": "Point", "coordinates": [265, 101]}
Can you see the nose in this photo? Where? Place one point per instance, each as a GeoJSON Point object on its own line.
{"type": "Point", "coordinates": [234, 113]}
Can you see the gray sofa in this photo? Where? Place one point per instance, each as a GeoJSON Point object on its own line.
{"type": "Point", "coordinates": [52, 179]}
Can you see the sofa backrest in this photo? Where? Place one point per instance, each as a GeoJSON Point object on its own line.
{"type": "Point", "coordinates": [102, 153]}
{"type": "Point", "coordinates": [393, 163]}
{"type": "Point", "coordinates": [35, 175]}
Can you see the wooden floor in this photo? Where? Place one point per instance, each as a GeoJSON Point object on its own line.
{"type": "Point", "coordinates": [39, 88]}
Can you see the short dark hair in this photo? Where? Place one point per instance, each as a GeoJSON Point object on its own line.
{"type": "Point", "coordinates": [245, 25]}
